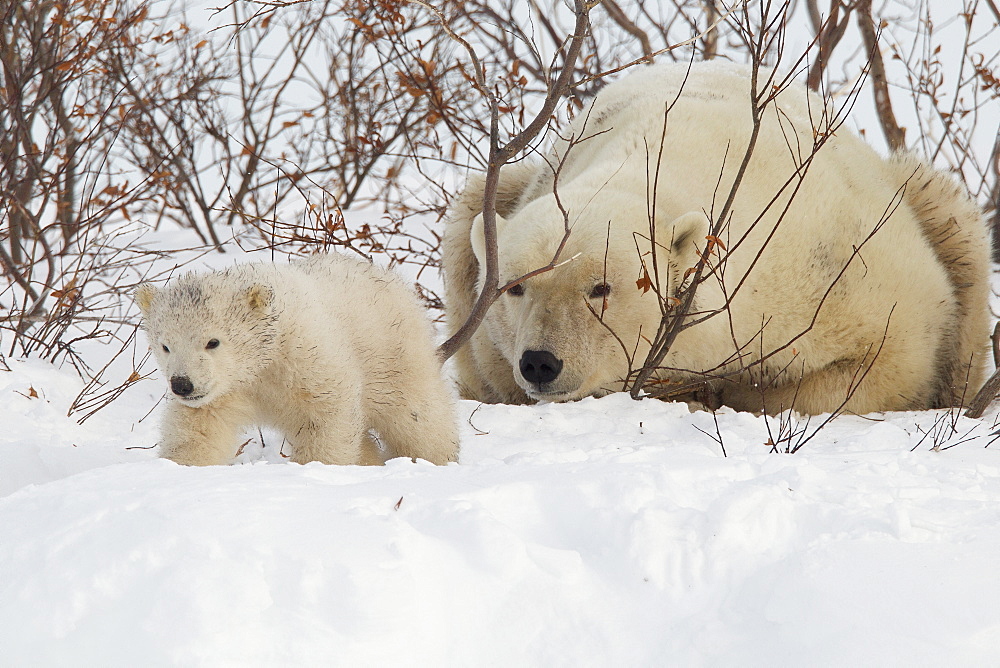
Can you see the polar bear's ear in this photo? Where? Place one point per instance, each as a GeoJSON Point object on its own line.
{"type": "Point", "coordinates": [258, 296]}
{"type": "Point", "coordinates": [478, 240]}
{"type": "Point", "coordinates": [687, 232]}
{"type": "Point", "coordinates": [144, 296]}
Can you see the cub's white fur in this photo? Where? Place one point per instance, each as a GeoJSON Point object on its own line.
{"type": "Point", "coordinates": [871, 282]}
{"type": "Point", "coordinates": [322, 349]}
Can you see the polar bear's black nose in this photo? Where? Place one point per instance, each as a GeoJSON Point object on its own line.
{"type": "Point", "coordinates": [540, 366]}
{"type": "Point", "coordinates": [181, 386]}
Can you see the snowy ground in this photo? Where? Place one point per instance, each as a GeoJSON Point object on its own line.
{"type": "Point", "coordinates": [603, 532]}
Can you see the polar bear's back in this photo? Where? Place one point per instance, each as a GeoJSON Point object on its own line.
{"type": "Point", "coordinates": [828, 200]}
{"type": "Point", "coordinates": [704, 119]}
{"type": "Point", "coordinates": [345, 299]}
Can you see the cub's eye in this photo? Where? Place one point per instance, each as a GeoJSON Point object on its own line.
{"type": "Point", "coordinates": [600, 290]}
{"type": "Point", "coordinates": [212, 343]}
{"type": "Point", "coordinates": [516, 290]}
{"type": "Point", "coordinates": [165, 349]}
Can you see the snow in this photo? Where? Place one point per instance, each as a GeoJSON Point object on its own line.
{"type": "Point", "coordinates": [601, 532]}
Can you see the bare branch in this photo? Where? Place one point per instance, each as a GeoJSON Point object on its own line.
{"type": "Point", "coordinates": [829, 32]}
{"type": "Point", "coordinates": [991, 389]}
{"type": "Point", "coordinates": [870, 31]}
{"type": "Point", "coordinates": [629, 26]}
{"type": "Point", "coordinates": [499, 155]}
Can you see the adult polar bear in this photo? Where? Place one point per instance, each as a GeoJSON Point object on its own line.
{"type": "Point", "coordinates": [869, 285]}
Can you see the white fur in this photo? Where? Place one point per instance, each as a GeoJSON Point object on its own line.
{"type": "Point", "coordinates": [322, 350]}
{"type": "Point", "coordinates": [899, 323]}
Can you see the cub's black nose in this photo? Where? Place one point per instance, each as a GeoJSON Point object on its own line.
{"type": "Point", "coordinates": [540, 366]}
{"type": "Point", "coordinates": [181, 386]}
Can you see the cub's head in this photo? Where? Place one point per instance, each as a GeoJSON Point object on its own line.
{"type": "Point", "coordinates": [569, 332]}
{"type": "Point", "coordinates": [210, 333]}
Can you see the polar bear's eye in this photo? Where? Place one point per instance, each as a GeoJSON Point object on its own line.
{"type": "Point", "coordinates": [516, 290]}
{"type": "Point", "coordinates": [212, 343]}
{"type": "Point", "coordinates": [165, 349]}
{"type": "Point", "coordinates": [600, 290]}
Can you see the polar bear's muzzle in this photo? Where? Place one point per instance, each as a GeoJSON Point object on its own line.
{"type": "Point", "coordinates": [540, 368]}
{"type": "Point", "coordinates": [184, 389]}
{"type": "Point", "coordinates": [181, 386]}
{"type": "Point", "coordinates": [545, 377]}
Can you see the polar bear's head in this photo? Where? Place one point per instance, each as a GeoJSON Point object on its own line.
{"type": "Point", "coordinates": [569, 332]}
{"type": "Point", "coordinates": [210, 333]}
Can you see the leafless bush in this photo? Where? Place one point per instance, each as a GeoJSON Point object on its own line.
{"type": "Point", "coordinates": [341, 98]}
{"type": "Point", "coordinates": [59, 188]}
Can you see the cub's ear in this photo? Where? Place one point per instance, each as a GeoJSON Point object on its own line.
{"type": "Point", "coordinates": [144, 296]}
{"type": "Point", "coordinates": [258, 296]}
{"type": "Point", "coordinates": [686, 234]}
{"type": "Point", "coordinates": [478, 240]}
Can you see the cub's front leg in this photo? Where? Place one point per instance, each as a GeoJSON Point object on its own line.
{"type": "Point", "coordinates": [202, 436]}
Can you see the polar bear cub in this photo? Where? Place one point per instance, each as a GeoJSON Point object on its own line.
{"type": "Point", "coordinates": [323, 350]}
